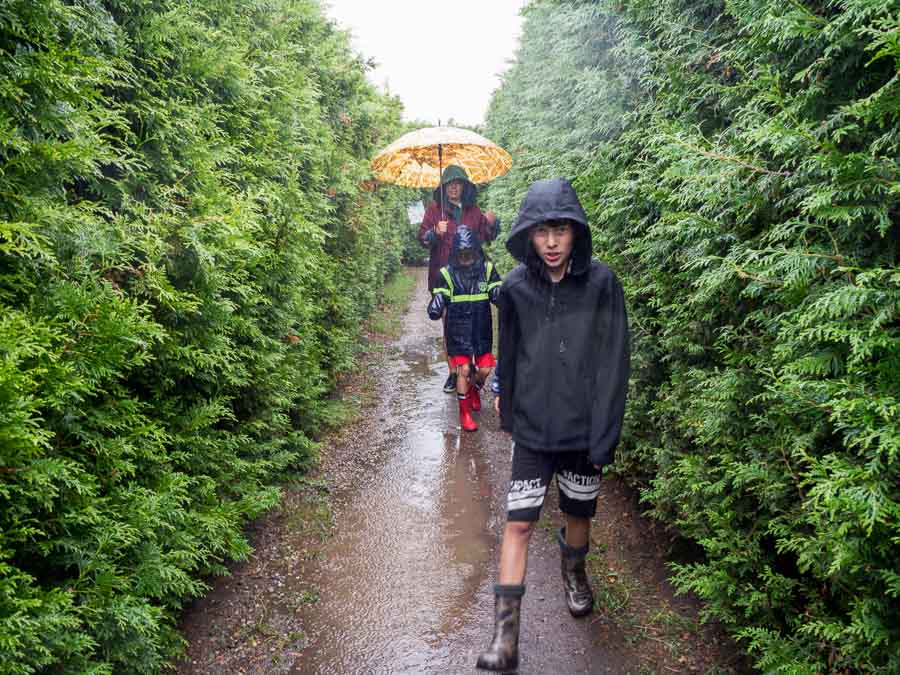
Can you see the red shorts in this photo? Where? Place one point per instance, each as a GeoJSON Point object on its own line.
{"type": "Point", "coordinates": [481, 361]}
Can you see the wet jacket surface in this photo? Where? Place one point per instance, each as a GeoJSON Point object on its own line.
{"type": "Point", "coordinates": [466, 214]}
{"type": "Point", "coordinates": [564, 347]}
{"type": "Point", "coordinates": [466, 293]}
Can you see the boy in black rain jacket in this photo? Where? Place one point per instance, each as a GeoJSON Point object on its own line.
{"type": "Point", "coordinates": [465, 289]}
{"type": "Point", "coordinates": [563, 376]}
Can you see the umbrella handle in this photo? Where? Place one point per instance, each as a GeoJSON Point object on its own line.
{"type": "Point", "coordinates": [441, 173]}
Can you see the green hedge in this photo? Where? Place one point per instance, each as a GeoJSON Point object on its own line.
{"type": "Point", "coordinates": [186, 254]}
{"type": "Point", "coordinates": [739, 161]}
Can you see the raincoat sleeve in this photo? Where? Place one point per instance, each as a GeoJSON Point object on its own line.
{"type": "Point", "coordinates": [508, 348]}
{"type": "Point", "coordinates": [494, 230]}
{"type": "Point", "coordinates": [486, 231]}
{"type": "Point", "coordinates": [440, 296]}
{"type": "Point", "coordinates": [611, 379]}
{"type": "Point", "coordinates": [427, 236]}
{"type": "Point", "coordinates": [494, 283]}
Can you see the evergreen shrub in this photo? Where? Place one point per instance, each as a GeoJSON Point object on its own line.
{"type": "Point", "coordinates": [186, 253]}
{"type": "Point", "coordinates": [739, 162]}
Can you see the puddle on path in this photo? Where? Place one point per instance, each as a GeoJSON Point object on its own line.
{"type": "Point", "coordinates": [415, 538]}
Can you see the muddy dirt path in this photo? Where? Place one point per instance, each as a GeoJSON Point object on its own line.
{"type": "Point", "coordinates": [385, 561]}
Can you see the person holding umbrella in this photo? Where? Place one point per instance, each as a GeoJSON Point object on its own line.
{"type": "Point", "coordinates": [417, 160]}
{"type": "Point", "coordinates": [453, 207]}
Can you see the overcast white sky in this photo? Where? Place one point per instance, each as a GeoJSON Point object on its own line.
{"type": "Point", "coordinates": [418, 43]}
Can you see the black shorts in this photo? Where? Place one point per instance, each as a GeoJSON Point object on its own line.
{"type": "Point", "coordinates": [577, 480]}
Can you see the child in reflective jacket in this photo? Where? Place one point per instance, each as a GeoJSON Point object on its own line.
{"type": "Point", "coordinates": [465, 289]}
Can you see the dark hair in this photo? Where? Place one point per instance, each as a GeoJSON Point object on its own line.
{"type": "Point", "coordinates": [555, 222]}
{"type": "Point", "coordinates": [534, 265]}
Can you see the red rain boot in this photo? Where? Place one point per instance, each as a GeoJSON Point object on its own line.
{"type": "Point", "coordinates": [465, 415]}
{"type": "Point", "coordinates": [474, 396]}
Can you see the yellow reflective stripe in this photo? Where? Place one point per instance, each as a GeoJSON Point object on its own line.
{"type": "Point", "coordinates": [446, 273]}
{"type": "Point", "coordinates": [470, 298]}
{"type": "Point", "coordinates": [489, 270]}
{"type": "Point", "coordinates": [443, 291]}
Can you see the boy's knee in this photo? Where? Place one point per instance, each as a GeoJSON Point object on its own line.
{"type": "Point", "coordinates": [577, 521]}
{"type": "Point", "coordinates": [519, 528]}
{"type": "Point", "coordinates": [464, 369]}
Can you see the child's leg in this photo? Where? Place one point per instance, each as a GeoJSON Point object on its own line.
{"type": "Point", "coordinates": [474, 388]}
{"type": "Point", "coordinates": [481, 376]}
{"type": "Point", "coordinates": [514, 552]}
{"type": "Point", "coordinates": [578, 481]}
{"type": "Point", "coordinates": [532, 472]}
{"type": "Point", "coordinates": [578, 531]}
{"type": "Point", "coordinates": [462, 378]}
{"type": "Point", "coordinates": [463, 390]}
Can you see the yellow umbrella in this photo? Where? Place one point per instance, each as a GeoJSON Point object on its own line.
{"type": "Point", "coordinates": [417, 159]}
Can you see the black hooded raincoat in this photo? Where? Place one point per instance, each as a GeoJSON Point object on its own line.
{"type": "Point", "coordinates": [564, 347]}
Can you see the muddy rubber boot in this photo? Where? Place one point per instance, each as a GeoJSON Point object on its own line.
{"type": "Point", "coordinates": [503, 654]}
{"type": "Point", "coordinates": [465, 415]}
{"type": "Point", "coordinates": [475, 397]}
{"type": "Point", "coordinates": [579, 596]}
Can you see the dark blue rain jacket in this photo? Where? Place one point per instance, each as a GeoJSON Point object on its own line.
{"type": "Point", "coordinates": [466, 293]}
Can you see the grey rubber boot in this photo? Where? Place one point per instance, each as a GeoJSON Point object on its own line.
{"type": "Point", "coordinates": [503, 654]}
{"type": "Point", "coordinates": [579, 597]}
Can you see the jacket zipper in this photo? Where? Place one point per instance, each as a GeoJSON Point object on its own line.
{"type": "Point", "coordinates": [551, 339]}
{"type": "Point", "coordinates": [552, 302]}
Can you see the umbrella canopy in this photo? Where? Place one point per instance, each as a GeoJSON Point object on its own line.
{"type": "Point", "coordinates": [417, 158]}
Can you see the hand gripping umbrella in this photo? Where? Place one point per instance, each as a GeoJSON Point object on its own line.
{"type": "Point", "coordinates": [417, 158]}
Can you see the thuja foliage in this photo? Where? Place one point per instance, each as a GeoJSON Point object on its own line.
{"type": "Point", "coordinates": [739, 161]}
{"type": "Point", "coordinates": [187, 247]}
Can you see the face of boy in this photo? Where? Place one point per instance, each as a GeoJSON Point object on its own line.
{"type": "Point", "coordinates": [454, 190]}
{"type": "Point", "coordinates": [553, 242]}
{"type": "Point", "coordinates": [466, 258]}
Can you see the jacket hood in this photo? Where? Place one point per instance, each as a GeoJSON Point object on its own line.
{"type": "Point", "coordinates": [466, 240]}
{"type": "Point", "coordinates": [553, 199]}
{"type": "Point", "coordinates": [454, 172]}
